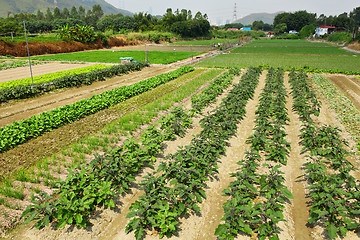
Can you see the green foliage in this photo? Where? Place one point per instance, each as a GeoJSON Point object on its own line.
{"type": "Point", "coordinates": [175, 123]}
{"type": "Point", "coordinates": [83, 34]}
{"type": "Point", "coordinates": [340, 37]}
{"type": "Point", "coordinates": [307, 31]}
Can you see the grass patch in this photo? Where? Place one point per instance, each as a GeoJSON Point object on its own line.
{"type": "Point", "coordinates": [342, 63]}
{"type": "Point", "coordinates": [156, 57]}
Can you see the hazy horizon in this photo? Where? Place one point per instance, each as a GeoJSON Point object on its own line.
{"type": "Point", "coordinates": [223, 10]}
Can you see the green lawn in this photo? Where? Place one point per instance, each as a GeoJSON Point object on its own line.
{"type": "Point", "coordinates": [294, 50]}
{"type": "Point", "coordinates": [342, 63]}
{"type": "Point", "coordinates": [157, 57]}
{"type": "Point", "coordinates": [32, 38]}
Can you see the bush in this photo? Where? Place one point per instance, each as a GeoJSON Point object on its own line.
{"type": "Point", "coordinates": [343, 37]}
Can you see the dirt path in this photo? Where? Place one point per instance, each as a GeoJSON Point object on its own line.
{"type": "Point", "coordinates": [40, 69]}
{"type": "Point", "coordinates": [299, 212]}
{"type": "Point", "coordinates": [24, 109]}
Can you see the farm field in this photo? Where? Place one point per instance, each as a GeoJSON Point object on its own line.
{"type": "Point", "coordinates": [209, 154]}
{"type": "Point", "coordinates": [299, 54]}
{"type": "Point", "coordinates": [154, 57]}
{"type": "Point", "coordinates": [203, 226]}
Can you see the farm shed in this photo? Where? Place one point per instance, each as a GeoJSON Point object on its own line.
{"type": "Point", "coordinates": [322, 30]}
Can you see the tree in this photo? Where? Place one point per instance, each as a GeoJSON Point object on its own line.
{"type": "Point", "coordinates": [280, 28]}
{"type": "Point", "coordinates": [74, 13]}
{"type": "Point", "coordinates": [57, 13]}
{"type": "Point", "coordinates": [40, 15]}
{"type": "Point", "coordinates": [307, 31]}
{"type": "Point", "coordinates": [355, 22]}
{"type": "Point", "coordinates": [65, 13]}
{"type": "Point", "coordinates": [295, 21]}
{"type": "Point", "coordinates": [97, 11]}
{"type": "Point", "coordinates": [49, 15]}
{"type": "Point", "coordinates": [81, 12]}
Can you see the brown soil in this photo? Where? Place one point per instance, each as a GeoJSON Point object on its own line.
{"type": "Point", "coordinates": [24, 72]}
{"type": "Point", "coordinates": [24, 109]}
{"type": "Point", "coordinates": [110, 224]}
{"type": "Point", "coordinates": [350, 86]}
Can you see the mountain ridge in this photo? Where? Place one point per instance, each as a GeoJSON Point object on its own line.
{"type": "Point", "coordinates": [265, 17]}
{"type": "Point", "coordinates": [32, 6]}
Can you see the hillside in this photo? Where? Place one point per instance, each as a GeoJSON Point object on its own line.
{"type": "Point", "coordinates": [265, 17]}
{"type": "Point", "coordinates": [31, 6]}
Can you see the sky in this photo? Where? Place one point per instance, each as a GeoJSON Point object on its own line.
{"type": "Point", "coordinates": [222, 10]}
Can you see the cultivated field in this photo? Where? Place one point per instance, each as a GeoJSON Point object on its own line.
{"type": "Point", "coordinates": [196, 153]}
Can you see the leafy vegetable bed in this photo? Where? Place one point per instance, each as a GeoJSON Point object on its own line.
{"type": "Point", "coordinates": [19, 132]}
{"type": "Point", "coordinates": [257, 200]}
{"type": "Point", "coordinates": [65, 79]}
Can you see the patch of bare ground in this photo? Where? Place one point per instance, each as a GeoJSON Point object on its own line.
{"type": "Point", "coordinates": [110, 223]}
{"type": "Point", "coordinates": [23, 109]}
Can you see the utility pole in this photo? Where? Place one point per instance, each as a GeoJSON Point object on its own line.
{"type": "Point", "coordinates": [27, 46]}
{"type": "Point", "coordinates": [234, 14]}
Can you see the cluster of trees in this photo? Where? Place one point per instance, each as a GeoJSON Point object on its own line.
{"type": "Point", "coordinates": [256, 25]}
{"type": "Point", "coordinates": [179, 22]}
{"type": "Point", "coordinates": [305, 22]}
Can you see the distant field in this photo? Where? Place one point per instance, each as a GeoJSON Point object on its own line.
{"type": "Point", "coordinates": [285, 43]}
{"type": "Point", "coordinates": [204, 42]}
{"type": "Point", "coordinates": [293, 50]}
{"type": "Point", "coordinates": [32, 38]}
{"type": "Point", "coordinates": [344, 63]}
{"type": "Point", "coordinates": [156, 57]}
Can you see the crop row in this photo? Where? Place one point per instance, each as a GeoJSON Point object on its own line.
{"type": "Point", "coordinates": [198, 102]}
{"type": "Point", "coordinates": [14, 64]}
{"type": "Point", "coordinates": [177, 186]}
{"type": "Point", "coordinates": [256, 200]}
{"type": "Point", "coordinates": [334, 192]}
{"type": "Point", "coordinates": [19, 132]}
{"type": "Point", "coordinates": [95, 184]}
{"type": "Point", "coordinates": [19, 89]}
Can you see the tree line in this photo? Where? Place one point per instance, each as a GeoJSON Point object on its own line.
{"type": "Point", "coordinates": [181, 22]}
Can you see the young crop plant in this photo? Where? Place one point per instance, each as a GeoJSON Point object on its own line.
{"type": "Point", "coordinates": [177, 187]}
{"type": "Point", "coordinates": [175, 123]}
{"type": "Point", "coordinates": [333, 190]}
{"type": "Point", "coordinates": [209, 94]}
{"type": "Point", "coordinates": [256, 201]}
